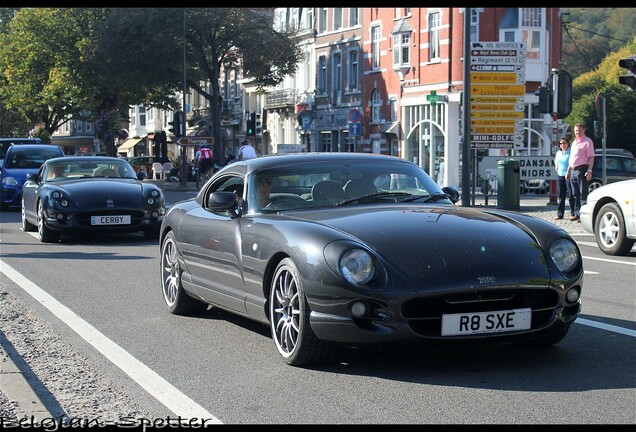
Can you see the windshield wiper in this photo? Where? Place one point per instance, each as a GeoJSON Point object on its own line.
{"type": "Point", "coordinates": [373, 197]}
{"type": "Point", "coordinates": [436, 197]}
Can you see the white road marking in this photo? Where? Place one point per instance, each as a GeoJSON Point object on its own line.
{"type": "Point", "coordinates": [149, 380]}
{"type": "Point", "coordinates": [607, 327]}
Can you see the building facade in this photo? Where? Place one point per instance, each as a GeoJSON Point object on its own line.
{"type": "Point", "coordinates": [380, 80]}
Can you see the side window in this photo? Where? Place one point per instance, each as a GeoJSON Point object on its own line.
{"type": "Point", "coordinates": [229, 183]}
{"type": "Point", "coordinates": [630, 165]}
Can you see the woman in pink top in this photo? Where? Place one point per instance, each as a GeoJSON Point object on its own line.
{"type": "Point", "coordinates": [580, 168]}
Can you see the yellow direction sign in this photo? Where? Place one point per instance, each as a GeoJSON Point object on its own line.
{"type": "Point", "coordinates": [497, 114]}
{"type": "Point", "coordinates": [496, 99]}
{"type": "Point", "coordinates": [498, 90]}
{"type": "Point", "coordinates": [494, 122]}
{"type": "Point", "coordinates": [495, 77]}
{"type": "Point", "coordinates": [494, 130]}
{"type": "Point", "coordinates": [496, 107]}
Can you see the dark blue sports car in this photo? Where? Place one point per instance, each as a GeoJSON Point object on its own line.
{"type": "Point", "coordinates": [353, 249]}
{"type": "Point", "coordinates": [80, 194]}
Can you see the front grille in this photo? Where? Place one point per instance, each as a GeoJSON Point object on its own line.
{"type": "Point", "coordinates": [84, 219]}
{"type": "Point", "coordinates": [424, 315]}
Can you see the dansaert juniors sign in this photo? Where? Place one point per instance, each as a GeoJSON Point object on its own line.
{"type": "Point", "coordinates": [530, 167]}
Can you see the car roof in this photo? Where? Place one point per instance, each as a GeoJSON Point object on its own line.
{"type": "Point", "coordinates": [278, 160]}
{"type": "Point", "coordinates": [30, 147]}
{"type": "Point", "coordinates": [86, 159]}
{"type": "Point", "coordinates": [614, 152]}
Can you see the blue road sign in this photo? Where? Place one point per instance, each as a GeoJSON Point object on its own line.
{"type": "Point", "coordinates": [355, 129]}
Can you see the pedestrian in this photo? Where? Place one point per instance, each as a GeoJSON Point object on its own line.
{"type": "Point", "coordinates": [580, 168]}
{"type": "Point", "coordinates": [204, 160]}
{"type": "Point", "coordinates": [561, 161]}
{"type": "Point", "coordinates": [440, 172]}
{"type": "Point", "coordinates": [246, 150]}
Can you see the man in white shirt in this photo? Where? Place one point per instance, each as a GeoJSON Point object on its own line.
{"type": "Point", "coordinates": [247, 151]}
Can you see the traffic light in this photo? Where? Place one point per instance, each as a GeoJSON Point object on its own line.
{"type": "Point", "coordinates": [561, 90]}
{"type": "Point", "coordinates": [629, 79]}
{"type": "Point", "coordinates": [564, 94]}
{"type": "Point", "coordinates": [251, 124]}
{"type": "Point", "coordinates": [176, 124]}
{"type": "Point", "coordinates": [545, 101]}
{"type": "Point", "coordinates": [258, 126]}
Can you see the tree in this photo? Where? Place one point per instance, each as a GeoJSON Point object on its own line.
{"type": "Point", "coordinates": [227, 38]}
{"type": "Point", "coordinates": [590, 33]}
{"type": "Point", "coordinates": [60, 64]}
{"type": "Point", "coordinates": [620, 103]}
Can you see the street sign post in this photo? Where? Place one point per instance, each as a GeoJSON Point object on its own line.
{"type": "Point", "coordinates": [355, 129]}
{"type": "Point", "coordinates": [304, 119]}
{"type": "Point", "coordinates": [195, 141]}
{"type": "Point", "coordinates": [355, 116]}
{"type": "Point", "coordinates": [497, 90]}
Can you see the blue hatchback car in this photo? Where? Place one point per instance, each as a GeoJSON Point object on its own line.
{"type": "Point", "coordinates": [18, 162]}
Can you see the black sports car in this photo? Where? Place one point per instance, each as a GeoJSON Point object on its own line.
{"type": "Point", "coordinates": [79, 194]}
{"type": "Point", "coordinates": [353, 249]}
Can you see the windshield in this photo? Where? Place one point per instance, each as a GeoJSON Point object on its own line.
{"type": "Point", "coordinates": [64, 170]}
{"type": "Point", "coordinates": [27, 158]}
{"type": "Point", "coordinates": [319, 184]}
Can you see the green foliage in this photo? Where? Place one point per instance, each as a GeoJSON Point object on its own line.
{"type": "Point", "coordinates": [620, 102]}
{"type": "Point", "coordinates": [57, 64]}
{"type": "Point", "coordinates": [590, 33]}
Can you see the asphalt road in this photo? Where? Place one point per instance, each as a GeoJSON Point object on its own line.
{"type": "Point", "coordinates": [225, 369]}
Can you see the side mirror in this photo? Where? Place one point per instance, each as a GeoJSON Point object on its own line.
{"type": "Point", "coordinates": [452, 192]}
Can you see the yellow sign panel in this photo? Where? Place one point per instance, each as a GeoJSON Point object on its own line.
{"type": "Point", "coordinates": [495, 107]}
{"type": "Point", "coordinates": [496, 99]}
{"type": "Point", "coordinates": [498, 90]}
{"type": "Point", "coordinates": [492, 130]}
{"type": "Point", "coordinates": [494, 122]}
{"type": "Point", "coordinates": [497, 114]}
{"type": "Point", "coordinates": [494, 77]}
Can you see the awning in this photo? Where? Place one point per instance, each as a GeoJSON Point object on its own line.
{"type": "Point", "coordinates": [129, 143]}
{"type": "Point", "coordinates": [390, 128]}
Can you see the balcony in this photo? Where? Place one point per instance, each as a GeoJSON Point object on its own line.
{"type": "Point", "coordinates": [281, 98]}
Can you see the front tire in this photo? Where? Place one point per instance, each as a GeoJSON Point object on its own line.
{"type": "Point", "coordinates": [610, 232]}
{"type": "Point", "coordinates": [594, 184]}
{"type": "Point", "coordinates": [289, 320]}
{"type": "Point", "coordinates": [45, 234]}
{"type": "Point", "coordinates": [177, 301]}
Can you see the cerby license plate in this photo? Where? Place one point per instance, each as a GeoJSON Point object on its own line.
{"type": "Point", "coordinates": [486, 322]}
{"type": "Point", "coordinates": [110, 220]}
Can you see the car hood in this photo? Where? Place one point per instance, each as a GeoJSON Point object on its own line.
{"type": "Point", "coordinates": [463, 247]}
{"type": "Point", "coordinates": [88, 192]}
{"type": "Point", "coordinates": [19, 174]}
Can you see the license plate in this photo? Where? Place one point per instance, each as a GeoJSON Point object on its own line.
{"type": "Point", "coordinates": [486, 322]}
{"type": "Point", "coordinates": [110, 220]}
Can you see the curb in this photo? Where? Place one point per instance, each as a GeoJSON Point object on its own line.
{"type": "Point", "coordinates": [24, 390]}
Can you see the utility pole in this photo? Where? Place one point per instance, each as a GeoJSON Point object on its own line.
{"type": "Point", "coordinates": [466, 117]}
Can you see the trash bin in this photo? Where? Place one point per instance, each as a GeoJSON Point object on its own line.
{"type": "Point", "coordinates": [508, 184]}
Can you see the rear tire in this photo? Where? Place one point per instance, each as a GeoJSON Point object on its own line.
{"type": "Point", "coordinates": [26, 225]}
{"type": "Point", "coordinates": [610, 232]}
{"type": "Point", "coordinates": [176, 299]}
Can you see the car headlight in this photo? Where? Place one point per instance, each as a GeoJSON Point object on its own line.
{"type": "Point", "coordinates": [356, 266]}
{"type": "Point", "coordinates": [155, 197]}
{"type": "Point", "coordinates": [9, 181]}
{"type": "Point", "coordinates": [565, 254]}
